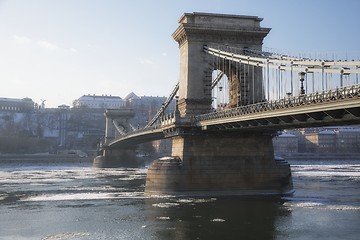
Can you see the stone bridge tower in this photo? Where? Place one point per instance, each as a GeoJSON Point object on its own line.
{"type": "Point", "coordinates": [210, 162]}
{"type": "Point", "coordinates": [196, 66]}
{"type": "Point", "coordinates": [117, 123]}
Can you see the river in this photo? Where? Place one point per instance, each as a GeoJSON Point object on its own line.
{"type": "Point", "coordinates": [76, 201]}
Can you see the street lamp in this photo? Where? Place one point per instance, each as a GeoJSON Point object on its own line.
{"type": "Point", "coordinates": [302, 77]}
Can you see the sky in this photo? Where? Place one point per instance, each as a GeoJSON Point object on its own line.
{"type": "Point", "coordinates": [59, 50]}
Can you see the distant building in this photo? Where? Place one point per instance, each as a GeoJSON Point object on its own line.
{"type": "Point", "coordinates": [133, 100]}
{"type": "Point", "coordinates": [79, 127]}
{"type": "Point", "coordinates": [285, 143]}
{"type": "Point", "coordinates": [100, 102]}
{"type": "Point", "coordinates": [348, 140]}
{"type": "Point", "coordinates": [146, 107]}
{"type": "Point", "coordinates": [16, 105]}
{"type": "Point", "coordinates": [321, 141]}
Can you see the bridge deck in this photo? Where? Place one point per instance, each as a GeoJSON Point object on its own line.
{"type": "Point", "coordinates": [325, 108]}
{"type": "Point", "coordinates": [346, 111]}
{"type": "Point", "coordinates": [334, 107]}
{"type": "Point", "coordinates": [137, 137]}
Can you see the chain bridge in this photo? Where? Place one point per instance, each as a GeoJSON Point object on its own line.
{"type": "Point", "coordinates": [232, 98]}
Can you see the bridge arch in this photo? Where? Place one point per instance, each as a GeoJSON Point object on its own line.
{"type": "Point", "coordinates": [197, 30]}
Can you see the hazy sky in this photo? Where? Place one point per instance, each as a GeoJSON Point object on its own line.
{"type": "Point", "coordinates": [59, 50]}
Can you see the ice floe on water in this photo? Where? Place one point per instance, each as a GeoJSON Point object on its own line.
{"type": "Point", "coordinates": [217, 220]}
{"type": "Point", "coordinates": [318, 204]}
{"type": "Point", "coordinates": [165, 205]}
{"type": "Point", "coordinates": [322, 206]}
{"type": "Point", "coordinates": [82, 196]}
{"type": "Point", "coordinates": [163, 218]}
{"type": "Point", "coordinates": [3, 196]}
{"type": "Point", "coordinates": [309, 204]}
{"type": "Point", "coordinates": [343, 208]}
{"type": "Point", "coordinates": [195, 200]}
{"type": "Point", "coordinates": [182, 201]}
{"type": "Point", "coordinates": [67, 235]}
{"type": "Point", "coordinates": [38, 177]}
{"type": "Point", "coordinates": [327, 170]}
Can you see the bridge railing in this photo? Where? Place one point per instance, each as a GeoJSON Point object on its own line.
{"type": "Point", "coordinates": [313, 98]}
{"type": "Point", "coordinates": [137, 131]}
{"type": "Point", "coordinates": [167, 119]}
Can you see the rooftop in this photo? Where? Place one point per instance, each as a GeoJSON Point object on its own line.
{"type": "Point", "coordinates": [100, 97]}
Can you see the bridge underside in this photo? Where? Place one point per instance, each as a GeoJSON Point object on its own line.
{"type": "Point", "coordinates": [216, 164]}
{"type": "Point", "coordinates": [340, 112]}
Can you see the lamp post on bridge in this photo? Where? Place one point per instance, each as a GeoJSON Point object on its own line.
{"type": "Point", "coordinates": [302, 77]}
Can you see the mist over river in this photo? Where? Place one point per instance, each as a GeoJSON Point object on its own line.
{"type": "Point", "coordinates": [76, 201]}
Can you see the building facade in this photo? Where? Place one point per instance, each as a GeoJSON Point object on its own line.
{"type": "Point", "coordinates": [100, 102]}
{"type": "Point", "coordinates": [348, 140]}
{"type": "Point", "coordinates": [16, 105]}
{"type": "Point", "coordinates": [321, 141]}
{"type": "Point", "coordinates": [285, 143]}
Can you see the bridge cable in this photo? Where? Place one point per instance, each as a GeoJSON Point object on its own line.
{"type": "Point", "coordinates": [172, 95]}
{"type": "Point", "coordinates": [291, 81]}
{"type": "Point", "coordinates": [278, 71]}
{"type": "Point", "coordinates": [230, 83]}
{"type": "Point", "coordinates": [268, 79]}
{"type": "Point", "coordinates": [240, 84]}
{"type": "Point", "coordinates": [306, 81]}
{"type": "Point", "coordinates": [253, 84]}
{"type": "Point", "coordinates": [164, 106]}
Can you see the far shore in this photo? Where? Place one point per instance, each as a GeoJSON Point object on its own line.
{"type": "Point", "coordinates": [43, 158]}
{"type": "Point", "coordinates": [321, 157]}
{"type": "Point", "coordinates": [75, 159]}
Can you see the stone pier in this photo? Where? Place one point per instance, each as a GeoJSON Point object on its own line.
{"type": "Point", "coordinates": [208, 162]}
{"type": "Point", "coordinates": [117, 123]}
{"type": "Point", "coordinates": [219, 164]}
{"type": "Point", "coordinates": [113, 158]}
{"type": "Point", "coordinates": [222, 162]}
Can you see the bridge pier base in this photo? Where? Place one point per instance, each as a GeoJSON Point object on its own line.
{"type": "Point", "coordinates": [113, 158]}
{"type": "Point", "coordinates": [220, 164]}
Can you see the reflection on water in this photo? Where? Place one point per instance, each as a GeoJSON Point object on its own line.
{"type": "Point", "coordinates": [77, 202]}
{"type": "Point", "coordinates": [226, 218]}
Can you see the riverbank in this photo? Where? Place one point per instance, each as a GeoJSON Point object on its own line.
{"type": "Point", "coordinates": [75, 159]}
{"type": "Point", "coordinates": [43, 159]}
{"type": "Point", "coordinates": [321, 157]}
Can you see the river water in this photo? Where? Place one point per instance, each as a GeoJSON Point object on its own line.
{"type": "Point", "coordinates": [77, 201]}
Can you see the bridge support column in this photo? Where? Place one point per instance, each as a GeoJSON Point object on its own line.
{"type": "Point", "coordinates": [215, 164]}
{"type": "Point", "coordinates": [113, 158]}
{"type": "Point", "coordinates": [117, 123]}
{"type": "Point", "coordinates": [199, 29]}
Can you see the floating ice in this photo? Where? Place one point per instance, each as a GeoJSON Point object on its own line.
{"type": "Point", "coordinates": [218, 220]}
{"type": "Point", "coordinates": [83, 196]}
{"type": "Point", "coordinates": [3, 196]}
{"type": "Point", "coordinates": [327, 170]}
{"type": "Point", "coordinates": [309, 204]}
{"type": "Point", "coordinates": [163, 218]}
{"type": "Point", "coordinates": [165, 205]}
{"type": "Point", "coordinates": [343, 207]}
{"type": "Point", "coordinates": [196, 200]}
{"type": "Point", "coordinates": [68, 235]}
